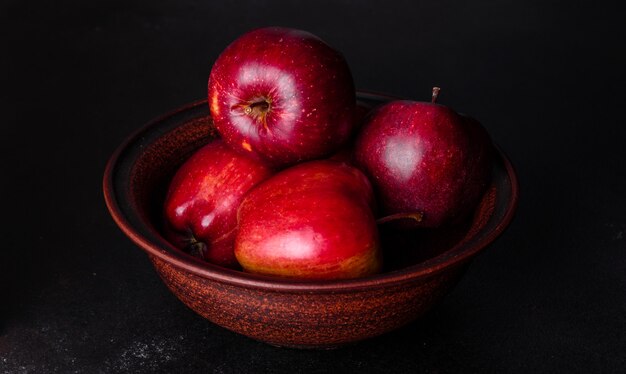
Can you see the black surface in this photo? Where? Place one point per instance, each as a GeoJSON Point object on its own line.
{"type": "Point", "coordinates": [546, 78]}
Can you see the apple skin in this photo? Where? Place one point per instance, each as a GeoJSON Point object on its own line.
{"type": "Point", "coordinates": [282, 95]}
{"type": "Point", "coordinates": [314, 220]}
{"type": "Point", "coordinates": [202, 201]}
{"type": "Point", "coordinates": [425, 158]}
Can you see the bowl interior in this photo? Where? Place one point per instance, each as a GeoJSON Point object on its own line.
{"type": "Point", "coordinates": [139, 172]}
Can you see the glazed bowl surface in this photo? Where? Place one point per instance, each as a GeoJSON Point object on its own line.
{"type": "Point", "coordinates": [303, 314]}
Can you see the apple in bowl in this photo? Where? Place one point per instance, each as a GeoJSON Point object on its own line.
{"type": "Point", "coordinates": [282, 95]}
{"type": "Point", "coordinates": [314, 220]}
{"type": "Point", "coordinates": [201, 205]}
{"type": "Point", "coordinates": [429, 165]}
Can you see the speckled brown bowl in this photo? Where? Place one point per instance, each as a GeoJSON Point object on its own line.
{"type": "Point", "coordinates": [303, 314]}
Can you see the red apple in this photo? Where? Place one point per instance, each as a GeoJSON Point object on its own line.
{"type": "Point", "coordinates": [425, 160]}
{"type": "Point", "coordinates": [282, 95]}
{"type": "Point", "coordinates": [203, 198]}
{"type": "Point", "coordinates": [311, 221]}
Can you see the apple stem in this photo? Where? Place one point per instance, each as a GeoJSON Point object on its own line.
{"type": "Point", "coordinates": [435, 94]}
{"type": "Point", "coordinates": [416, 216]}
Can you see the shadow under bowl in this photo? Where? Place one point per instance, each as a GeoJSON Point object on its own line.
{"type": "Point", "coordinates": [303, 314]}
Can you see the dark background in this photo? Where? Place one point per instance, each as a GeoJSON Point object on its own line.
{"type": "Point", "coordinates": [547, 79]}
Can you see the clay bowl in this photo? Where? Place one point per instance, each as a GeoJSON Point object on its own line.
{"type": "Point", "coordinates": [302, 314]}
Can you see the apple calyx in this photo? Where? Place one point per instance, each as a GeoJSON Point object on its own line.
{"type": "Point", "coordinates": [436, 91]}
{"type": "Point", "coordinates": [415, 216]}
{"type": "Point", "coordinates": [195, 247]}
{"type": "Point", "coordinates": [258, 110]}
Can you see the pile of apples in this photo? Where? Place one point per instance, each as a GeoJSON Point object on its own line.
{"type": "Point", "coordinates": [298, 182]}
